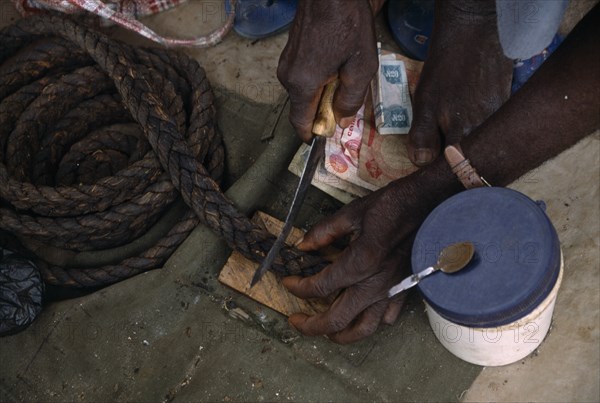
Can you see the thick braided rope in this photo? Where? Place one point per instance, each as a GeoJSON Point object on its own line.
{"type": "Point", "coordinates": [150, 84]}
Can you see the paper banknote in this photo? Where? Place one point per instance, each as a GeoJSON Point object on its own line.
{"type": "Point", "coordinates": [361, 158]}
{"type": "Point", "coordinates": [391, 98]}
{"type": "Point", "coordinates": [384, 158]}
{"type": "Point", "coordinates": [332, 185]}
{"type": "Point", "coordinates": [412, 67]}
{"type": "Point", "coordinates": [343, 149]}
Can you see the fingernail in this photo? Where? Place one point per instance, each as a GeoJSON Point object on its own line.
{"type": "Point", "coordinates": [345, 122]}
{"type": "Point", "coordinates": [422, 155]}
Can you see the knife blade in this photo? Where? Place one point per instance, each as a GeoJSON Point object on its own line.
{"type": "Point", "coordinates": [323, 126]}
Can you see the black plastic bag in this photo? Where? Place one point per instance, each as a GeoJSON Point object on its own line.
{"type": "Point", "coordinates": [21, 292]}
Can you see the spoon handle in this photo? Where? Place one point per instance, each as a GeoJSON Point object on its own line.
{"type": "Point", "coordinates": [410, 281]}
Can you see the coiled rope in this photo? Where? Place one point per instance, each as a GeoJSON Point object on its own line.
{"type": "Point", "coordinates": [97, 138]}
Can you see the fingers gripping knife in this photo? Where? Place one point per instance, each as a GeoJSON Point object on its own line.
{"type": "Point", "coordinates": [323, 127]}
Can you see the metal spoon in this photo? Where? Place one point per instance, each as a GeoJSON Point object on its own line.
{"type": "Point", "coordinates": [452, 259]}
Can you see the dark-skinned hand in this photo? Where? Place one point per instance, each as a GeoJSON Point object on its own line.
{"type": "Point", "coordinates": [511, 142]}
{"type": "Point", "coordinates": [327, 40]}
{"type": "Point", "coordinates": [381, 222]}
{"type": "Point", "coordinates": [465, 79]}
{"type": "Point", "coordinates": [375, 259]}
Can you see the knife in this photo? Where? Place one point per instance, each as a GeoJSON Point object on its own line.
{"type": "Point", "coordinates": [409, 282]}
{"type": "Point", "coordinates": [323, 127]}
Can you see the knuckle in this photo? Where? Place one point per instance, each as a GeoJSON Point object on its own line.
{"type": "Point", "coordinates": [363, 66]}
{"type": "Point", "coordinates": [335, 324]}
{"type": "Point", "coordinates": [353, 87]}
{"type": "Point", "coordinates": [368, 291]}
{"type": "Point", "coordinates": [325, 231]}
{"type": "Point", "coordinates": [348, 103]}
{"type": "Point", "coordinates": [366, 260]}
{"type": "Point", "coordinates": [300, 82]}
{"type": "Point", "coordinates": [321, 288]}
{"type": "Point", "coordinates": [348, 217]}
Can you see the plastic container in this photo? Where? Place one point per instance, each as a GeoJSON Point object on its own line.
{"type": "Point", "coordinates": [498, 309]}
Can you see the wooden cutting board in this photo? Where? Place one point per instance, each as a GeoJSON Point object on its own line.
{"type": "Point", "coordinates": [238, 271]}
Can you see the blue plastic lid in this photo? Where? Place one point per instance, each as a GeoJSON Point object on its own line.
{"type": "Point", "coordinates": [516, 261]}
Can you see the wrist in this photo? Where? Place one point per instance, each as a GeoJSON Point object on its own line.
{"type": "Point", "coordinates": [407, 201]}
{"type": "Point", "coordinates": [433, 184]}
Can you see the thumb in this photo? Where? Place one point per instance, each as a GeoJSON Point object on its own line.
{"type": "Point", "coordinates": [347, 101]}
{"type": "Point", "coordinates": [424, 138]}
{"type": "Point", "coordinates": [355, 78]}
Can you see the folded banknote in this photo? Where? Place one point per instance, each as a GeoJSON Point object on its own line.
{"type": "Point", "coordinates": [391, 97]}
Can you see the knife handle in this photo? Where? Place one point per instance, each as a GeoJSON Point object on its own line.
{"type": "Point", "coordinates": [324, 124]}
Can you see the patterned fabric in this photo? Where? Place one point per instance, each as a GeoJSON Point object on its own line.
{"type": "Point", "coordinates": [131, 8]}
{"type": "Point", "coordinates": [125, 13]}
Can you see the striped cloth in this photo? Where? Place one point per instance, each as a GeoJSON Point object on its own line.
{"type": "Point", "coordinates": [131, 8]}
{"type": "Point", "coordinates": [126, 13]}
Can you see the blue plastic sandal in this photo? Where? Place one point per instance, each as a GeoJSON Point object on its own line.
{"type": "Point", "coordinates": [257, 19]}
{"type": "Point", "coordinates": [411, 23]}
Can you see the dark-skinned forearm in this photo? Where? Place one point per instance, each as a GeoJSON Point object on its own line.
{"type": "Point", "coordinates": [555, 109]}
